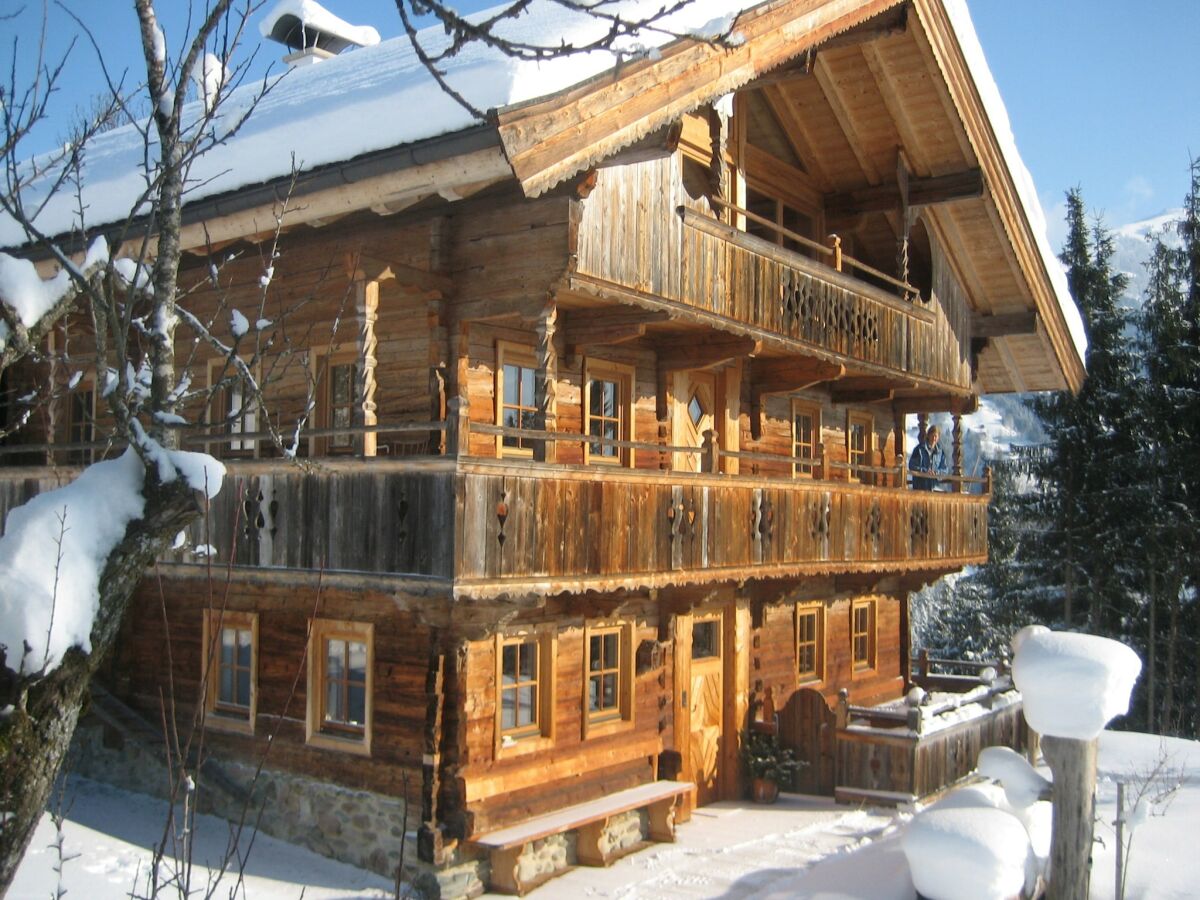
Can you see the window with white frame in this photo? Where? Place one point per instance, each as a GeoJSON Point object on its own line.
{"type": "Point", "coordinates": [608, 411]}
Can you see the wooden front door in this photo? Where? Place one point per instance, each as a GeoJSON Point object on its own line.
{"type": "Point", "coordinates": [695, 413]}
{"type": "Point", "coordinates": [700, 701]}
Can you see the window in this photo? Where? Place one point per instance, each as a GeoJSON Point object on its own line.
{"type": "Point", "coordinates": [335, 378]}
{"type": "Point", "coordinates": [608, 674]}
{"type": "Point", "coordinates": [516, 397]}
{"type": "Point", "coordinates": [806, 435]}
{"type": "Point", "coordinates": [525, 690]}
{"type": "Point", "coordinates": [862, 634]}
{"type": "Point", "coordinates": [608, 411]}
{"type": "Point", "coordinates": [234, 409]}
{"type": "Point", "coordinates": [810, 642]}
{"type": "Point", "coordinates": [231, 666]}
{"type": "Point", "coordinates": [860, 429]}
{"type": "Point", "coordinates": [784, 216]}
{"type": "Point", "coordinates": [340, 685]}
{"type": "Point", "coordinates": [706, 639]}
{"type": "Point", "coordinates": [81, 424]}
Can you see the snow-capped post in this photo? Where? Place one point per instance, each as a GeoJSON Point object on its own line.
{"type": "Point", "coordinates": [1072, 686]}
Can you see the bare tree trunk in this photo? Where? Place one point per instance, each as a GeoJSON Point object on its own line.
{"type": "Point", "coordinates": [1151, 656]}
{"type": "Point", "coordinates": [35, 735]}
{"type": "Point", "coordinates": [1074, 766]}
{"type": "Point", "coordinates": [1167, 722]}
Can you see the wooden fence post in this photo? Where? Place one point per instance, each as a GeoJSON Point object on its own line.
{"type": "Point", "coordinates": [1073, 763]}
{"type": "Point", "coordinates": [710, 454]}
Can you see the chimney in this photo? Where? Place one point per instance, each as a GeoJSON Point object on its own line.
{"type": "Point", "coordinates": [311, 32]}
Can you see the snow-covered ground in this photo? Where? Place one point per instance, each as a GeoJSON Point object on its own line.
{"type": "Point", "coordinates": [800, 847]}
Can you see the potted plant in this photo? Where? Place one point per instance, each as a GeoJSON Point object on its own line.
{"type": "Point", "coordinates": [768, 764]}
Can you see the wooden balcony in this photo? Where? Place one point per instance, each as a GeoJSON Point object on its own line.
{"type": "Point", "coordinates": [735, 281]}
{"type": "Point", "coordinates": [489, 527]}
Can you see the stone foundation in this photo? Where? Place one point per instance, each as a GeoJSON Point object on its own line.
{"type": "Point", "coordinates": [361, 828]}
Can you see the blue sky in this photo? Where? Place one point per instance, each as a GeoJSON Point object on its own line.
{"type": "Point", "coordinates": [1103, 94]}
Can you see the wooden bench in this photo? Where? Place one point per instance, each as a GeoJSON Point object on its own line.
{"type": "Point", "coordinates": [590, 820]}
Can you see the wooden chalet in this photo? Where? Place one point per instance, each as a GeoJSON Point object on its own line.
{"type": "Point", "coordinates": [607, 460]}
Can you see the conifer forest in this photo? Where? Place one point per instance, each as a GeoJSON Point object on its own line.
{"type": "Point", "coordinates": [1095, 528]}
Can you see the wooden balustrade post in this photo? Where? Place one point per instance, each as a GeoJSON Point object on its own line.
{"type": "Point", "coordinates": [836, 243]}
{"type": "Point", "coordinates": [366, 300]}
{"type": "Point", "coordinates": [923, 663]}
{"type": "Point", "coordinates": [710, 453]}
{"type": "Point", "coordinates": [457, 427]}
{"type": "Point", "coordinates": [819, 471]}
{"type": "Point", "coordinates": [958, 453]}
{"type": "Point", "coordinates": [922, 426]}
{"type": "Point", "coordinates": [900, 471]}
{"type": "Point", "coordinates": [987, 481]}
{"type": "Point", "coordinates": [843, 709]}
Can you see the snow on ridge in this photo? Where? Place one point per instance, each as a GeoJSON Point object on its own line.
{"type": "Point", "coordinates": [1141, 230]}
{"type": "Point", "coordinates": [997, 113]}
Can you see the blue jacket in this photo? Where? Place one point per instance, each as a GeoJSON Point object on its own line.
{"type": "Point", "coordinates": [925, 460]}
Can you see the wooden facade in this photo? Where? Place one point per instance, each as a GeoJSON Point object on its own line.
{"type": "Point", "coordinates": [602, 460]}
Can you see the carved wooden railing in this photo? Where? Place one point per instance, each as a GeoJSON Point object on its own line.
{"type": "Point", "coordinates": [524, 522]}
{"type": "Point", "coordinates": [746, 278]}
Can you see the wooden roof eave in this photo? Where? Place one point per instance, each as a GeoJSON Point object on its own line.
{"type": "Point", "coordinates": [951, 61]}
{"type": "Point", "coordinates": [550, 139]}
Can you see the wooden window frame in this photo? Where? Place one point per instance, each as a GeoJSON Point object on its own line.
{"type": "Point", "coordinates": [524, 356]}
{"type": "Point", "coordinates": [216, 714]}
{"type": "Point", "coordinates": [81, 457]}
{"type": "Point", "coordinates": [867, 421]}
{"type": "Point", "coordinates": [316, 733]}
{"type": "Point", "coordinates": [806, 407]}
{"type": "Point", "coordinates": [218, 414]}
{"type": "Point", "coordinates": [323, 360]}
{"type": "Point", "coordinates": [623, 377]}
{"type": "Point", "coordinates": [803, 612]}
{"type": "Point", "coordinates": [620, 717]}
{"type": "Point", "coordinates": [871, 611]}
{"type": "Point", "coordinates": [520, 740]}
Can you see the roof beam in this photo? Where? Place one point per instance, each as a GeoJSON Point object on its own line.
{"type": "Point", "coordinates": [965, 185]}
{"type": "Point", "coordinates": [845, 119]}
{"type": "Point", "coordinates": [1005, 324]}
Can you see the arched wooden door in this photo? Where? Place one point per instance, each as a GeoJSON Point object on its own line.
{"type": "Point", "coordinates": [808, 726]}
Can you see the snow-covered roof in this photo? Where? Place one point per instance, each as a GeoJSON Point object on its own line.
{"type": "Point", "coordinates": [381, 97]}
{"type": "Point", "coordinates": [371, 99]}
{"type": "Point", "coordinates": [964, 29]}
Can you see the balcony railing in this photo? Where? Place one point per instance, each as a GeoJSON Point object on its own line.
{"type": "Point", "coordinates": [494, 525]}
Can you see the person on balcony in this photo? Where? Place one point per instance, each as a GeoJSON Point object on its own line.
{"type": "Point", "coordinates": [928, 457]}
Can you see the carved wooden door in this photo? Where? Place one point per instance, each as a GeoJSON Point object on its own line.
{"type": "Point", "coordinates": [706, 706]}
{"type": "Point", "coordinates": [695, 413]}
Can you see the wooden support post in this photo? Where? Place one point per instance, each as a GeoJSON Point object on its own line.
{"type": "Point", "coordinates": [820, 473]}
{"type": "Point", "coordinates": [922, 426]}
{"type": "Point", "coordinates": [987, 481]}
{"type": "Point", "coordinates": [1073, 764]}
{"type": "Point", "coordinates": [898, 438]}
{"type": "Point", "coordinates": [843, 710]}
{"type": "Point", "coordinates": [958, 453]}
{"type": "Point", "coordinates": [366, 301]}
{"type": "Point", "coordinates": [439, 356]}
{"type": "Point", "coordinates": [545, 381]}
{"type": "Point", "coordinates": [458, 406]}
